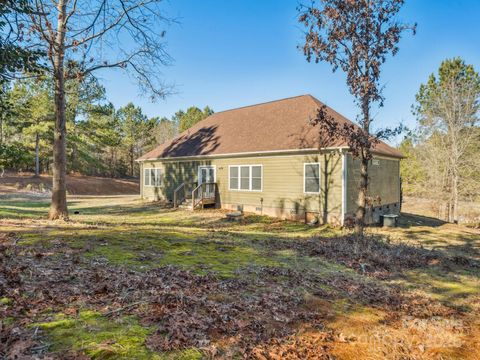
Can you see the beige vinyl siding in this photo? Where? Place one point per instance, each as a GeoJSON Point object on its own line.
{"type": "Point", "coordinates": [384, 181]}
{"type": "Point", "coordinates": [282, 183]}
{"type": "Point", "coordinates": [174, 174]}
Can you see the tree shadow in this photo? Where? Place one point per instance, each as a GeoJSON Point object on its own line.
{"type": "Point", "coordinates": [202, 142]}
{"type": "Point", "coordinates": [408, 220]}
{"type": "Point", "coordinates": [258, 301]}
{"type": "Point", "coordinates": [26, 207]}
{"type": "Point", "coordinates": [275, 284]}
{"type": "Point", "coordinates": [311, 136]}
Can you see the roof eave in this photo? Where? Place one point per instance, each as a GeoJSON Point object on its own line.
{"type": "Point", "coordinates": [249, 153]}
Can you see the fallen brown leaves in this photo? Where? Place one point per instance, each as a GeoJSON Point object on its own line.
{"type": "Point", "coordinates": [257, 314]}
{"type": "Point", "coordinates": [373, 255]}
{"type": "Point", "coordinates": [309, 346]}
{"type": "Point", "coordinates": [188, 310]}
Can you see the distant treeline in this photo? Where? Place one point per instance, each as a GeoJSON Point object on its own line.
{"type": "Point", "coordinates": [101, 140]}
{"type": "Point", "coordinates": [442, 159]}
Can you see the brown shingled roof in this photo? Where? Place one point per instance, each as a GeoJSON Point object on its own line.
{"type": "Point", "coordinates": [272, 126]}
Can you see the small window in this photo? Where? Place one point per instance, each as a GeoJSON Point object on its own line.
{"type": "Point", "coordinates": [257, 178]}
{"type": "Point", "coordinates": [152, 177]}
{"type": "Point", "coordinates": [146, 177]}
{"type": "Point", "coordinates": [311, 177]}
{"type": "Point", "coordinates": [245, 177]}
{"type": "Point", "coordinates": [234, 177]}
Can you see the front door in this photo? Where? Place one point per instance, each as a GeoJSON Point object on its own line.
{"type": "Point", "coordinates": [206, 175]}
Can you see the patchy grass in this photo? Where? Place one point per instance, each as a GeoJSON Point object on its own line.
{"type": "Point", "coordinates": [413, 291]}
{"type": "Point", "coordinates": [100, 337]}
{"type": "Point", "coordinates": [142, 235]}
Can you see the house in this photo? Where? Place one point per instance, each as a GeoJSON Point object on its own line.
{"type": "Point", "coordinates": [267, 159]}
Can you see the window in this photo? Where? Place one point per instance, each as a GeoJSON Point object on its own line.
{"type": "Point", "coordinates": [256, 178]}
{"type": "Point", "coordinates": [311, 178]}
{"type": "Point", "coordinates": [245, 177]}
{"type": "Point", "coordinates": [233, 177]}
{"type": "Point", "coordinates": [152, 177]}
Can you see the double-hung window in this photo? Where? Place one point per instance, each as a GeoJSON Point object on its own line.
{"type": "Point", "coordinates": [311, 178]}
{"type": "Point", "coordinates": [152, 177]}
{"type": "Point", "coordinates": [245, 177]}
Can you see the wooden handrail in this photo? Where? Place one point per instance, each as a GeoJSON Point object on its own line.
{"type": "Point", "coordinates": [194, 197]}
{"type": "Point", "coordinates": [179, 186]}
{"type": "Point", "coordinates": [201, 197]}
{"type": "Point", "coordinates": [176, 193]}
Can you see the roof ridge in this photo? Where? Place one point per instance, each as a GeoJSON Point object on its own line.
{"type": "Point", "coordinates": [262, 103]}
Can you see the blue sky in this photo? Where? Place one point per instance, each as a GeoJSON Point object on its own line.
{"type": "Point", "coordinates": [231, 53]}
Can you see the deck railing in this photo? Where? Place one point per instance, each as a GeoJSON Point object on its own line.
{"type": "Point", "coordinates": [179, 195]}
{"type": "Point", "coordinates": [203, 192]}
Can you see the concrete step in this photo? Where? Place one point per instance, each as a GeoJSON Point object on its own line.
{"type": "Point", "coordinates": [185, 207]}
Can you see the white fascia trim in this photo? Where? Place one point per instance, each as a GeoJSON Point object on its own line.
{"type": "Point", "coordinates": [385, 157]}
{"type": "Point", "coordinates": [258, 153]}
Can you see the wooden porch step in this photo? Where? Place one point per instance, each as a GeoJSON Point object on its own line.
{"type": "Point", "coordinates": [209, 201]}
{"type": "Point", "coordinates": [203, 194]}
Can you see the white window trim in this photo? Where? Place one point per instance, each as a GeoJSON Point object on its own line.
{"type": "Point", "coordinates": [150, 177]}
{"type": "Point", "coordinates": [249, 180]}
{"type": "Point", "coordinates": [199, 171]}
{"type": "Point", "coordinates": [319, 177]}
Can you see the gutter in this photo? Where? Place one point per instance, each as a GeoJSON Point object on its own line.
{"type": "Point", "coordinates": [240, 154]}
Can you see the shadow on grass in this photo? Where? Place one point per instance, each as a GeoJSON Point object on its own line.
{"type": "Point", "coordinates": [149, 235]}
{"type": "Point", "coordinates": [28, 209]}
{"type": "Point", "coordinates": [260, 257]}
{"type": "Point", "coordinates": [407, 220]}
{"type": "Point", "coordinates": [261, 289]}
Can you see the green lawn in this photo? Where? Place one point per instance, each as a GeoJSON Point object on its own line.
{"type": "Point", "coordinates": [126, 279]}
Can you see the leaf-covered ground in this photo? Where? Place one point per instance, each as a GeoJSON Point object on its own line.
{"type": "Point", "coordinates": [132, 280]}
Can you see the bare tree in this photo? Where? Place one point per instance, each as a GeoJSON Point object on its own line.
{"type": "Point", "coordinates": [355, 36]}
{"type": "Point", "coordinates": [448, 111]}
{"type": "Point", "coordinates": [80, 37]}
{"type": "Point", "coordinates": [164, 131]}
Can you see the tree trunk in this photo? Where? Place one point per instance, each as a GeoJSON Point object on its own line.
{"type": "Point", "coordinates": [326, 180]}
{"type": "Point", "coordinates": [1, 129]}
{"type": "Point", "coordinates": [73, 164]}
{"type": "Point", "coordinates": [2, 114]}
{"type": "Point", "coordinates": [132, 161]}
{"type": "Point", "coordinates": [37, 159]}
{"type": "Point", "coordinates": [362, 196]}
{"type": "Point", "coordinates": [364, 158]}
{"type": "Point", "coordinates": [58, 208]}
{"type": "Point", "coordinates": [455, 197]}
{"type": "Point", "coordinates": [113, 163]}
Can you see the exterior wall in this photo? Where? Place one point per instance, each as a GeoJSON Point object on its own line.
{"type": "Point", "coordinates": [282, 193]}
{"type": "Point", "coordinates": [384, 187]}
{"type": "Point", "coordinates": [174, 174]}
